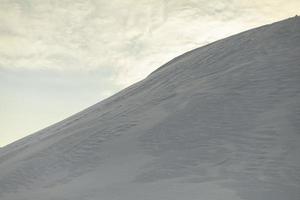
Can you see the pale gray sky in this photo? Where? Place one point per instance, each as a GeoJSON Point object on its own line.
{"type": "Point", "coordinates": [60, 56]}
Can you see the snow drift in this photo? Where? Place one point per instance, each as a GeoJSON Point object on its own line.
{"type": "Point", "coordinates": [219, 122]}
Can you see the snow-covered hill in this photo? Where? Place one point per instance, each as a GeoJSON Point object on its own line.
{"type": "Point", "coordinates": [221, 122]}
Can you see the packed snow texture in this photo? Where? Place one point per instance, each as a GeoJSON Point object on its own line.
{"type": "Point", "coordinates": [221, 122]}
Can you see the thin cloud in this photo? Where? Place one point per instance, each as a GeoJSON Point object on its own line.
{"type": "Point", "coordinates": [130, 36]}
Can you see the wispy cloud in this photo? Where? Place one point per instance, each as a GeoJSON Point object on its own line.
{"type": "Point", "coordinates": [127, 36]}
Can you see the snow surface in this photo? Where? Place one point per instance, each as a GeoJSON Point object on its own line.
{"type": "Point", "coordinates": [221, 122]}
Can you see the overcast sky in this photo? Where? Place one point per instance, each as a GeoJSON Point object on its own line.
{"type": "Point", "coordinates": [60, 56]}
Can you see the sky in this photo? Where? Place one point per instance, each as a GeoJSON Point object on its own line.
{"type": "Point", "coordinates": [58, 57]}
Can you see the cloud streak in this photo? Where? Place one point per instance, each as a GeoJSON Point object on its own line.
{"type": "Point", "coordinates": [126, 36]}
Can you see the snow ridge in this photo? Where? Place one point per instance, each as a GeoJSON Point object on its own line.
{"type": "Point", "coordinates": [218, 122]}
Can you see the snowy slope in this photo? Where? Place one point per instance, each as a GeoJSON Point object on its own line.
{"type": "Point", "coordinates": [221, 122]}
